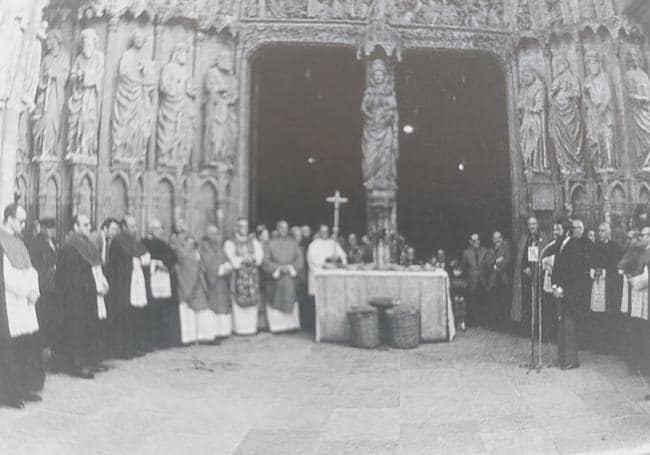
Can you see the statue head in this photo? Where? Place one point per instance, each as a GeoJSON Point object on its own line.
{"type": "Point", "coordinates": [226, 61]}
{"type": "Point", "coordinates": [88, 42]}
{"type": "Point", "coordinates": [561, 65]}
{"type": "Point", "coordinates": [379, 72]}
{"type": "Point", "coordinates": [528, 75]}
{"type": "Point", "coordinates": [53, 42]}
{"type": "Point", "coordinates": [594, 65]}
{"type": "Point", "coordinates": [180, 53]}
{"type": "Point", "coordinates": [138, 39]}
{"type": "Point", "coordinates": [634, 59]}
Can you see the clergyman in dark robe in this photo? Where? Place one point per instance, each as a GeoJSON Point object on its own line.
{"type": "Point", "coordinates": [162, 311]}
{"type": "Point", "coordinates": [127, 293]}
{"type": "Point", "coordinates": [81, 285]}
{"type": "Point", "coordinates": [42, 250]}
{"type": "Point", "coordinates": [21, 364]}
{"type": "Point", "coordinates": [572, 286]}
{"type": "Point", "coordinates": [284, 263]}
{"type": "Point", "coordinates": [216, 270]}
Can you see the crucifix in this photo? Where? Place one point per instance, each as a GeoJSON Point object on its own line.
{"type": "Point", "coordinates": [337, 200]}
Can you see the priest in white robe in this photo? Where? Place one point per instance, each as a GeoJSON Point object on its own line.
{"type": "Point", "coordinates": [245, 254]}
{"type": "Point", "coordinates": [21, 364]}
{"type": "Point", "coordinates": [323, 252]}
{"type": "Point", "coordinates": [284, 263]}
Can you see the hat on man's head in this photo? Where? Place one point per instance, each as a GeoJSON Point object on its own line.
{"type": "Point", "coordinates": [47, 223]}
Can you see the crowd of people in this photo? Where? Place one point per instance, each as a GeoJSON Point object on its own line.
{"type": "Point", "coordinates": [109, 293]}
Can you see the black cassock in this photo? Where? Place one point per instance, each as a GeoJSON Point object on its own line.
{"type": "Point", "coordinates": [43, 256]}
{"type": "Point", "coordinates": [78, 345]}
{"type": "Point", "coordinates": [162, 313]}
{"type": "Point", "coordinates": [571, 273]}
{"type": "Point", "coordinates": [127, 323]}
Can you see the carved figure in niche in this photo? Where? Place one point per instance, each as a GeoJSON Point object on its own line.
{"type": "Point", "coordinates": [85, 101]}
{"type": "Point", "coordinates": [412, 12]}
{"type": "Point", "coordinates": [382, 10]}
{"type": "Point", "coordinates": [597, 95]}
{"type": "Point", "coordinates": [477, 13]}
{"type": "Point", "coordinates": [555, 16]}
{"type": "Point", "coordinates": [495, 16]}
{"type": "Point", "coordinates": [523, 18]}
{"type": "Point", "coordinates": [176, 118]}
{"type": "Point", "coordinates": [379, 141]}
{"type": "Point", "coordinates": [50, 96]}
{"type": "Point", "coordinates": [450, 13]}
{"type": "Point", "coordinates": [360, 8]}
{"type": "Point", "coordinates": [220, 112]}
{"type": "Point", "coordinates": [566, 128]}
{"type": "Point", "coordinates": [604, 8]}
{"type": "Point", "coordinates": [637, 90]}
{"type": "Point", "coordinates": [532, 109]}
{"type": "Point", "coordinates": [133, 109]}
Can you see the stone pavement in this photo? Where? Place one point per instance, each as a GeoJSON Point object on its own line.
{"type": "Point", "coordinates": [285, 395]}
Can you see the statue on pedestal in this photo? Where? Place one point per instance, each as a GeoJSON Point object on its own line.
{"type": "Point", "coordinates": [380, 123]}
{"type": "Point", "coordinates": [566, 128]}
{"type": "Point", "coordinates": [176, 118]}
{"type": "Point", "coordinates": [84, 105]}
{"type": "Point", "coordinates": [220, 112]}
{"type": "Point", "coordinates": [600, 113]}
{"type": "Point", "coordinates": [637, 88]}
{"type": "Point", "coordinates": [50, 97]}
{"type": "Point", "coordinates": [532, 110]}
{"type": "Point", "coordinates": [133, 109]}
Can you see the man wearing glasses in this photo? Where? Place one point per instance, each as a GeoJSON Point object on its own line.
{"type": "Point", "coordinates": [21, 364]}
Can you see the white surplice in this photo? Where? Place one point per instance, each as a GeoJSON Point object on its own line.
{"type": "Point", "coordinates": [319, 251]}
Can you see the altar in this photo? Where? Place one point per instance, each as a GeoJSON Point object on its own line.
{"type": "Point", "coordinates": [338, 290]}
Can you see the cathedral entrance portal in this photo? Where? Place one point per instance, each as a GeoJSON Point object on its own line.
{"type": "Point", "coordinates": [454, 165]}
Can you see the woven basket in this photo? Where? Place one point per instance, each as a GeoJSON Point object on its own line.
{"type": "Point", "coordinates": [364, 327]}
{"type": "Point", "coordinates": [403, 327]}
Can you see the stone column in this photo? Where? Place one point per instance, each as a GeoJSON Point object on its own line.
{"type": "Point", "coordinates": [20, 29]}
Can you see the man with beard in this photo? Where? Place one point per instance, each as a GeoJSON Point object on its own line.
{"type": "Point", "coordinates": [162, 311]}
{"type": "Point", "coordinates": [246, 255]}
{"type": "Point", "coordinates": [127, 294]}
{"type": "Point", "coordinates": [21, 364]}
{"type": "Point", "coordinates": [571, 285]}
{"type": "Point", "coordinates": [81, 285]}
{"type": "Point", "coordinates": [284, 263]}
{"type": "Point", "coordinates": [42, 251]}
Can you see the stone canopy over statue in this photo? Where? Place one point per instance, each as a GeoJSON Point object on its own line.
{"type": "Point", "coordinates": [380, 125]}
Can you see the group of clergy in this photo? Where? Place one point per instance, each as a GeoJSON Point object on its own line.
{"type": "Point", "coordinates": [594, 291]}
{"type": "Point", "coordinates": [108, 293]}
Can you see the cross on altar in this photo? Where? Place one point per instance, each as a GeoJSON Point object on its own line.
{"type": "Point", "coordinates": [337, 200]}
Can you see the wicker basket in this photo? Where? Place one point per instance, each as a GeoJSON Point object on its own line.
{"type": "Point", "coordinates": [404, 327]}
{"type": "Point", "coordinates": [364, 327]}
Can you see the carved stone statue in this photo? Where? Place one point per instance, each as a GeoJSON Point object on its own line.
{"type": "Point", "coordinates": [523, 18]}
{"type": "Point", "coordinates": [220, 112]}
{"type": "Point", "coordinates": [555, 16]}
{"type": "Point", "coordinates": [495, 15]}
{"type": "Point", "coordinates": [450, 13]}
{"type": "Point", "coordinates": [85, 101]}
{"type": "Point", "coordinates": [380, 122]}
{"type": "Point", "coordinates": [599, 104]}
{"type": "Point", "coordinates": [532, 111]}
{"type": "Point", "coordinates": [50, 97]}
{"type": "Point", "coordinates": [133, 109]}
{"type": "Point", "coordinates": [566, 126]}
{"type": "Point", "coordinates": [637, 90]}
{"type": "Point", "coordinates": [176, 118]}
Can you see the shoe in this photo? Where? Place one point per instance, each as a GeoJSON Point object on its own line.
{"type": "Point", "coordinates": [32, 397]}
{"type": "Point", "coordinates": [570, 366]}
{"type": "Point", "coordinates": [15, 404]}
{"type": "Point", "coordinates": [101, 368]}
{"type": "Point", "coordinates": [84, 373]}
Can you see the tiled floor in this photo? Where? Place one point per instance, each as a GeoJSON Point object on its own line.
{"type": "Point", "coordinates": [286, 395]}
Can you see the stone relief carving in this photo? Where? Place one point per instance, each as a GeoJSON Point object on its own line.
{"type": "Point", "coordinates": [85, 101]}
{"type": "Point", "coordinates": [637, 90]}
{"type": "Point", "coordinates": [176, 117]}
{"type": "Point", "coordinates": [380, 123]}
{"type": "Point", "coordinates": [133, 107]}
{"type": "Point", "coordinates": [523, 18]}
{"type": "Point", "coordinates": [599, 105]}
{"type": "Point", "coordinates": [50, 96]}
{"type": "Point", "coordinates": [532, 111]}
{"type": "Point", "coordinates": [220, 112]}
{"type": "Point", "coordinates": [566, 124]}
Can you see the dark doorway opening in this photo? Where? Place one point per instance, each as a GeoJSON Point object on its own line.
{"type": "Point", "coordinates": [454, 167]}
{"type": "Point", "coordinates": [306, 143]}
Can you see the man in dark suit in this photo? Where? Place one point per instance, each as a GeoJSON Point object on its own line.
{"type": "Point", "coordinates": [572, 286]}
{"type": "Point", "coordinates": [500, 255]}
{"type": "Point", "coordinates": [476, 263]}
